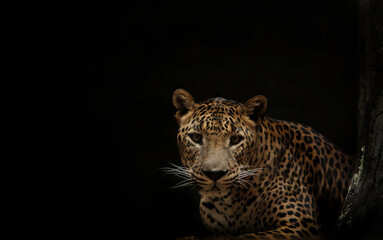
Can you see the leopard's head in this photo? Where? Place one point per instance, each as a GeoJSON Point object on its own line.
{"type": "Point", "coordinates": [216, 139]}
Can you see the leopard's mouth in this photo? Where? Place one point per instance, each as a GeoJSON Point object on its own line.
{"type": "Point", "coordinates": [217, 186]}
{"type": "Point", "coordinates": [213, 190]}
{"type": "Point", "coordinates": [235, 178]}
{"type": "Point", "coordinates": [239, 179]}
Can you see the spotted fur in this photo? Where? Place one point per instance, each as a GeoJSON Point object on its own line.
{"type": "Point", "coordinates": [259, 178]}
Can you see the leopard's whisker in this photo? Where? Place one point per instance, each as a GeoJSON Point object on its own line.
{"type": "Point", "coordinates": [181, 172]}
{"type": "Point", "coordinates": [245, 172]}
{"type": "Point", "coordinates": [177, 173]}
{"type": "Point", "coordinates": [242, 184]}
{"type": "Point", "coordinates": [184, 183]}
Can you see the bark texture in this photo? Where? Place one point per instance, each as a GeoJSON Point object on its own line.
{"type": "Point", "coordinates": [362, 215]}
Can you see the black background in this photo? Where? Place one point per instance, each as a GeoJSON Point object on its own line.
{"type": "Point", "coordinates": [86, 94]}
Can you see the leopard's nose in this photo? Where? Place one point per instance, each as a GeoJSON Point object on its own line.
{"type": "Point", "coordinates": [215, 174]}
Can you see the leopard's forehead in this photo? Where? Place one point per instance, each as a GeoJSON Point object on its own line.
{"type": "Point", "coordinates": [218, 107]}
{"type": "Point", "coordinates": [217, 116]}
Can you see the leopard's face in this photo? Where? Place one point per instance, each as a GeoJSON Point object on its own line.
{"type": "Point", "coordinates": [216, 140]}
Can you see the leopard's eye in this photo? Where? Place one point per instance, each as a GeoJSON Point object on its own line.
{"type": "Point", "coordinates": [196, 137]}
{"type": "Point", "coordinates": [235, 139]}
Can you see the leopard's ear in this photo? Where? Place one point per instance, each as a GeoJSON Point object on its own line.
{"type": "Point", "coordinates": [255, 107]}
{"type": "Point", "coordinates": [183, 101]}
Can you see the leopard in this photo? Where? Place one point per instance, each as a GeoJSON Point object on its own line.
{"type": "Point", "coordinates": [258, 177]}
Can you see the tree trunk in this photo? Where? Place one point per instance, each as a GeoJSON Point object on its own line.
{"type": "Point", "coordinates": [362, 214]}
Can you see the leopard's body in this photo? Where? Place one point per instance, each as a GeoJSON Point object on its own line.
{"type": "Point", "coordinates": [260, 178]}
